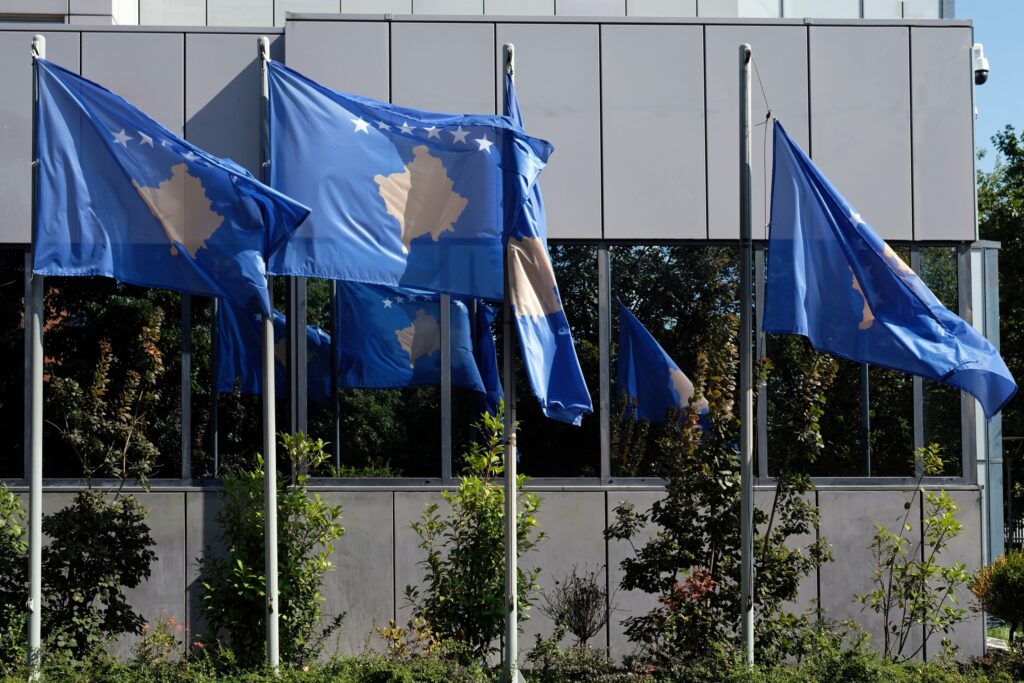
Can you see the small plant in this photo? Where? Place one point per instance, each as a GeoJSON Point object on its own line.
{"type": "Point", "coordinates": [999, 588]}
{"type": "Point", "coordinates": [234, 595]}
{"type": "Point", "coordinates": [579, 603]}
{"type": "Point", "coordinates": [161, 642]}
{"type": "Point", "coordinates": [405, 643]}
{"type": "Point", "coordinates": [13, 570]}
{"type": "Point", "coordinates": [913, 589]}
{"type": "Point", "coordinates": [464, 569]}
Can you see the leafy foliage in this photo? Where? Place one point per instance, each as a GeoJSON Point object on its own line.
{"type": "Point", "coordinates": [462, 597]}
{"type": "Point", "coordinates": [234, 595]}
{"type": "Point", "coordinates": [999, 588]}
{"type": "Point", "coordinates": [13, 570]}
{"type": "Point", "coordinates": [913, 589]}
{"type": "Point", "coordinates": [99, 546]}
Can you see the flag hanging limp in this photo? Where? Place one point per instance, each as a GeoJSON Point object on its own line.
{"type": "Point", "coordinates": [401, 197]}
{"type": "Point", "coordinates": [119, 195]}
{"type": "Point", "coordinates": [832, 279]}
{"type": "Point", "coordinates": [544, 335]}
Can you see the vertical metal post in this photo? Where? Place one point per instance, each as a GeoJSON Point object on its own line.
{"type": "Point", "coordinates": [865, 415]}
{"type": "Point", "coordinates": [335, 345]}
{"type": "Point", "coordinates": [297, 303]}
{"type": "Point", "coordinates": [761, 348]}
{"type": "Point", "coordinates": [994, 428]}
{"type": "Point", "coordinates": [446, 388]}
{"type": "Point", "coordinates": [746, 370]}
{"type": "Point", "coordinates": [186, 387]}
{"type": "Point", "coordinates": [214, 396]}
{"type": "Point", "coordinates": [511, 663]}
{"type": "Point", "coordinates": [269, 417]}
{"type": "Point", "coordinates": [917, 383]}
{"type": "Point", "coordinates": [35, 320]}
{"type": "Point", "coordinates": [604, 341]}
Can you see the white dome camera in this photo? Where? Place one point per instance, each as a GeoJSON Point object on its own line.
{"type": "Point", "coordinates": [980, 63]}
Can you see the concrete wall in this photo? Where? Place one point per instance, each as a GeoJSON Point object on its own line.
{"type": "Point", "coordinates": [377, 556]}
{"type": "Point", "coordinates": [643, 115]}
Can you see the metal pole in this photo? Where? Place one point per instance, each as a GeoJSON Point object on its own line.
{"type": "Point", "coordinates": [214, 396]}
{"type": "Point", "coordinates": [332, 289]}
{"type": "Point", "coordinates": [511, 664]}
{"type": "Point", "coordinates": [269, 417]}
{"type": "Point", "coordinates": [35, 501]}
{"type": "Point", "coordinates": [446, 388]}
{"type": "Point", "coordinates": [865, 415]}
{"type": "Point", "coordinates": [746, 370]}
{"type": "Point", "coordinates": [186, 387]}
{"type": "Point", "coordinates": [604, 343]}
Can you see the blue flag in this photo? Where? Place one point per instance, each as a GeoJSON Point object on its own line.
{"type": "Point", "coordinates": [239, 349]}
{"type": "Point", "coordinates": [648, 376]}
{"type": "Point", "coordinates": [391, 337]}
{"type": "Point", "coordinates": [544, 335]}
{"type": "Point", "coordinates": [401, 197]}
{"type": "Point", "coordinates": [119, 195]}
{"type": "Point", "coordinates": [487, 356]}
{"type": "Point", "coordinates": [832, 279]}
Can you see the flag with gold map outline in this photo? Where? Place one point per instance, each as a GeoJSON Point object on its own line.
{"type": "Point", "coordinates": [118, 195]}
{"type": "Point", "coordinates": [832, 279]}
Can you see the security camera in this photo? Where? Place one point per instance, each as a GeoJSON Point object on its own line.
{"type": "Point", "coordinates": [980, 63]}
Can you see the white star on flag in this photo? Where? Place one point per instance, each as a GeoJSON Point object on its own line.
{"type": "Point", "coordinates": [433, 132]}
{"type": "Point", "coordinates": [361, 126]}
{"type": "Point", "coordinates": [146, 140]}
{"type": "Point", "coordinates": [459, 135]}
{"type": "Point", "coordinates": [485, 144]}
{"type": "Point", "coordinates": [122, 139]}
{"type": "Point", "coordinates": [189, 156]}
{"type": "Point", "coordinates": [406, 128]}
{"type": "Point", "coordinates": [387, 303]}
{"type": "Point", "coordinates": [383, 126]}
{"type": "Point", "coordinates": [399, 299]}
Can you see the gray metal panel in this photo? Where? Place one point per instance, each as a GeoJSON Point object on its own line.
{"type": "Point", "coordinates": [780, 53]}
{"type": "Point", "coordinates": [202, 539]}
{"type": "Point", "coordinates": [832, 9]}
{"type": "Point", "coordinates": [653, 132]}
{"type": "Point", "coordinates": [177, 13]}
{"type": "Point", "coordinates": [362, 585]}
{"type": "Point", "coordinates": [34, 7]}
{"type": "Point", "coordinates": [558, 83]}
{"type": "Point", "coordinates": [923, 9]}
{"type": "Point", "coordinates": [222, 94]}
{"type": "Point", "coordinates": [448, 6]}
{"type": "Point", "coordinates": [344, 55]}
{"type": "Point", "coordinates": [969, 635]}
{"type": "Point", "coordinates": [943, 141]}
{"type": "Point", "coordinates": [376, 6]}
{"type": "Point", "coordinates": [91, 7]}
{"type": "Point", "coordinates": [147, 69]}
{"type": "Point", "coordinates": [634, 602]}
{"type": "Point", "coordinates": [240, 12]}
{"type": "Point", "coordinates": [573, 523]}
{"type": "Point", "coordinates": [883, 9]}
{"type": "Point", "coordinates": [312, 6]}
{"type": "Point", "coordinates": [760, 8]}
{"type": "Point", "coordinates": [16, 124]}
{"type": "Point", "coordinates": [409, 506]}
{"type": "Point", "coordinates": [661, 8]}
{"type": "Point", "coordinates": [717, 8]}
{"type": "Point", "coordinates": [443, 67]}
{"type": "Point", "coordinates": [90, 20]}
{"type": "Point", "coordinates": [860, 130]}
{"type": "Point", "coordinates": [590, 8]}
{"type": "Point", "coordinates": [507, 8]}
{"type": "Point", "coordinates": [848, 520]}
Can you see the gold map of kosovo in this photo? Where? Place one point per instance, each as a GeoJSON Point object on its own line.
{"type": "Point", "coordinates": [684, 387]}
{"type": "Point", "coordinates": [421, 198]}
{"type": "Point", "coordinates": [421, 338]}
{"type": "Point", "coordinates": [181, 206]}
{"type": "Point", "coordinates": [531, 278]}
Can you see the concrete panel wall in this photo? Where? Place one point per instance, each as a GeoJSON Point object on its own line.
{"type": "Point", "coordinates": [443, 67]}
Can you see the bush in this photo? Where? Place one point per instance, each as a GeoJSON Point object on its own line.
{"type": "Point", "coordinates": [462, 598]}
{"type": "Point", "coordinates": [579, 603]}
{"type": "Point", "coordinates": [13, 570]}
{"type": "Point", "coordinates": [999, 588]}
{"type": "Point", "coordinates": [234, 596]}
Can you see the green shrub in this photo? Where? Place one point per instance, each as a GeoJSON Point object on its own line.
{"type": "Point", "coordinates": [462, 598]}
{"type": "Point", "coordinates": [234, 585]}
{"type": "Point", "coordinates": [999, 588]}
{"type": "Point", "coordinates": [13, 591]}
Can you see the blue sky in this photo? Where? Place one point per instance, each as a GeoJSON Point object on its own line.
{"type": "Point", "coordinates": [997, 25]}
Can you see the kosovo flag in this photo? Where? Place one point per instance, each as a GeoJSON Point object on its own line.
{"type": "Point", "coordinates": [239, 360]}
{"type": "Point", "coordinates": [544, 336]}
{"type": "Point", "coordinates": [648, 376]}
{"type": "Point", "coordinates": [119, 195]}
{"type": "Point", "coordinates": [401, 197]}
{"type": "Point", "coordinates": [391, 337]}
{"type": "Point", "coordinates": [832, 279]}
{"type": "Point", "coordinates": [487, 356]}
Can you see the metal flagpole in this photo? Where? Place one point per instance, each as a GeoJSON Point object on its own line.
{"type": "Point", "coordinates": [269, 417]}
{"type": "Point", "coordinates": [746, 370]}
{"type": "Point", "coordinates": [35, 320]}
{"type": "Point", "coordinates": [335, 401]}
{"type": "Point", "coordinates": [511, 668]}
